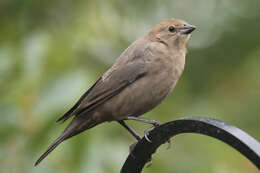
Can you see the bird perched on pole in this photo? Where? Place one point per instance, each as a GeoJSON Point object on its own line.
{"type": "Point", "coordinates": [140, 79]}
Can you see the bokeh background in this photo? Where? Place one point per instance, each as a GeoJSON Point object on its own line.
{"type": "Point", "coordinates": [51, 52]}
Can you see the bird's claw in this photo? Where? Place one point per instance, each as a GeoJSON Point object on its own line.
{"type": "Point", "coordinates": [169, 141]}
{"type": "Point", "coordinates": [146, 133]}
{"type": "Point", "coordinates": [131, 148]}
{"type": "Point", "coordinates": [149, 162]}
{"type": "Point", "coordinates": [146, 137]}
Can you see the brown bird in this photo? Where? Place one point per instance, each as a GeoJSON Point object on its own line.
{"type": "Point", "coordinates": [145, 73]}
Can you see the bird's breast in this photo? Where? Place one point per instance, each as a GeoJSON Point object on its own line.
{"type": "Point", "coordinates": [164, 70]}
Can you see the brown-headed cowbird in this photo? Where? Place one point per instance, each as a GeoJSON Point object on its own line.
{"type": "Point", "coordinates": [145, 73]}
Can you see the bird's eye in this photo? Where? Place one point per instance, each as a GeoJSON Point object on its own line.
{"type": "Point", "coordinates": [171, 29]}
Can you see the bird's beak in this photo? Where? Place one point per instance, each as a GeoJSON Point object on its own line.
{"type": "Point", "coordinates": [187, 29]}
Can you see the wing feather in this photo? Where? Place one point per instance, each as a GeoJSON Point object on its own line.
{"type": "Point", "coordinates": [105, 89]}
{"type": "Point", "coordinates": [69, 113]}
{"type": "Point", "coordinates": [128, 68]}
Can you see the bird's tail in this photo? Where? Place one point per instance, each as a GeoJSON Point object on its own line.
{"type": "Point", "coordinates": [77, 125]}
{"type": "Point", "coordinates": [60, 139]}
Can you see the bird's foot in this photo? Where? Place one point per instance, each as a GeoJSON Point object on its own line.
{"type": "Point", "coordinates": [169, 141]}
{"type": "Point", "coordinates": [147, 131]}
{"type": "Point", "coordinates": [149, 162]}
{"type": "Point", "coordinates": [131, 148]}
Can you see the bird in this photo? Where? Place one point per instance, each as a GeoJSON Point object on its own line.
{"type": "Point", "coordinates": [139, 80]}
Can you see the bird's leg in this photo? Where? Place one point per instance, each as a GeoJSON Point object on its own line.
{"type": "Point", "coordinates": [133, 132]}
{"type": "Point", "coordinates": [137, 137]}
{"type": "Point", "coordinates": [130, 129]}
{"type": "Point", "coordinates": [146, 132]}
{"type": "Point", "coordinates": [144, 120]}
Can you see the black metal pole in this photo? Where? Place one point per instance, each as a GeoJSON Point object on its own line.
{"type": "Point", "coordinates": [233, 136]}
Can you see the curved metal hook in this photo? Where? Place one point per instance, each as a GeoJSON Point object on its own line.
{"type": "Point", "coordinates": [233, 136]}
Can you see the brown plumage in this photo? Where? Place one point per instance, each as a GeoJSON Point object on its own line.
{"type": "Point", "coordinates": [144, 74]}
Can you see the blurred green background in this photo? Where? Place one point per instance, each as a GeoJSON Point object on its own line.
{"type": "Point", "coordinates": [51, 52]}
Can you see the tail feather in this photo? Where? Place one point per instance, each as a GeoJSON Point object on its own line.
{"type": "Point", "coordinates": [77, 125]}
{"type": "Point", "coordinates": [51, 148]}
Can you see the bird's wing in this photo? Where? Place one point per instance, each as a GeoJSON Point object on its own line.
{"type": "Point", "coordinates": [109, 85]}
{"type": "Point", "coordinates": [69, 113]}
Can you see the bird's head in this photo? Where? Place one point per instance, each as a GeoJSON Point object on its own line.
{"type": "Point", "coordinates": [172, 32]}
